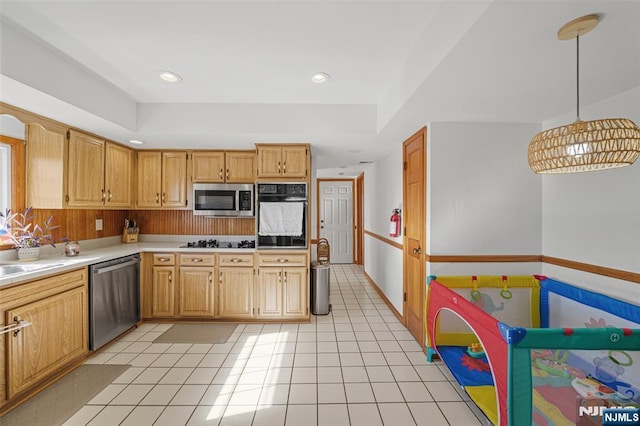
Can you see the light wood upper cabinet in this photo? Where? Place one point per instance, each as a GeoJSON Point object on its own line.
{"type": "Point", "coordinates": [283, 161]}
{"type": "Point", "coordinates": [162, 179]}
{"type": "Point", "coordinates": [223, 166]}
{"type": "Point", "coordinates": [240, 166]}
{"type": "Point", "coordinates": [86, 171]}
{"type": "Point", "coordinates": [46, 165]}
{"type": "Point", "coordinates": [208, 166]}
{"type": "Point", "coordinates": [174, 179]}
{"type": "Point", "coordinates": [118, 176]}
{"type": "Point", "coordinates": [99, 173]}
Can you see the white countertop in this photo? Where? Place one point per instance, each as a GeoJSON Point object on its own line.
{"type": "Point", "coordinates": [90, 253]}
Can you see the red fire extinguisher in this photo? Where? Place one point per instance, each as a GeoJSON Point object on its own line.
{"type": "Point", "coordinates": [394, 224]}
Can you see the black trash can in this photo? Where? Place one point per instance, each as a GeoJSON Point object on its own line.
{"type": "Point", "coordinates": [320, 303]}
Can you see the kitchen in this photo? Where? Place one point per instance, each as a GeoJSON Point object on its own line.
{"type": "Point", "coordinates": [340, 132]}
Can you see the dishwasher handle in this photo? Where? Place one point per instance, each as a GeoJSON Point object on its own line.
{"type": "Point", "coordinates": [114, 267]}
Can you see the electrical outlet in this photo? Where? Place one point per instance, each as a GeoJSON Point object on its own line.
{"type": "Point", "coordinates": [98, 224]}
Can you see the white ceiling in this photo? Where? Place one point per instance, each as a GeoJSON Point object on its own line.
{"type": "Point", "coordinates": [395, 66]}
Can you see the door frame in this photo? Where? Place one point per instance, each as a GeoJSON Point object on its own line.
{"type": "Point", "coordinates": [422, 232]}
{"type": "Point", "coordinates": [358, 223]}
{"type": "Point", "coordinates": [353, 203]}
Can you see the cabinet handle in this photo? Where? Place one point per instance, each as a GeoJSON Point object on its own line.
{"type": "Point", "coordinates": [285, 278]}
{"type": "Point", "coordinates": [16, 326]}
{"type": "Point", "coordinates": [163, 200]}
{"type": "Point", "coordinates": [280, 276]}
{"type": "Point", "coordinates": [110, 195]}
{"type": "Point", "coordinates": [170, 276]}
{"type": "Point", "coordinates": [235, 260]}
{"type": "Point", "coordinates": [104, 194]}
{"type": "Point", "coordinates": [220, 173]}
{"type": "Point", "coordinates": [227, 173]}
{"type": "Point", "coordinates": [197, 260]}
{"type": "Point", "coordinates": [157, 197]}
{"type": "Point", "coordinates": [163, 259]}
{"type": "Point", "coordinates": [278, 167]}
{"type": "Point", "coordinates": [284, 167]}
{"type": "Point", "coordinates": [283, 260]}
{"type": "Point", "coordinates": [220, 277]}
{"type": "Point", "coordinates": [210, 277]}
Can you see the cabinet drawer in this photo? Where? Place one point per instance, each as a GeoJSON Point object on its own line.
{"type": "Point", "coordinates": [235, 260]}
{"type": "Point", "coordinates": [282, 259]}
{"type": "Point", "coordinates": [166, 259]}
{"type": "Point", "coordinates": [198, 259]}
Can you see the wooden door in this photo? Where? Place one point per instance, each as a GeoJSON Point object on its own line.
{"type": "Point", "coordinates": [149, 179]}
{"type": "Point", "coordinates": [269, 293]}
{"type": "Point", "coordinates": [196, 292]}
{"type": "Point", "coordinates": [414, 217]}
{"type": "Point", "coordinates": [294, 161]}
{"type": "Point", "coordinates": [86, 171]}
{"type": "Point", "coordinates": [235, 292]}
{"type": "Point", "coordinates": [45, 175]}
{"type": "Point", "coordinates": [174, 179]}
{"type": "Point", "coordinates": [240, 167]}
{"type": "Point", "coordinates": [269, 161]}
{"type": "Point", "coordinates": [208, 166]}
{"type": "Point", "coordinates": [359, 224]}
{"type": "Point", "coordinates": [57, 335]}
{"type": "Point", "coordinates": [118, 176]}
{"type": "Point", "coordinates": [294, 289]}
{"type": "Point", "coordinates": [163, 292]}
{"type": "Point", "coordinates": [336, 218]}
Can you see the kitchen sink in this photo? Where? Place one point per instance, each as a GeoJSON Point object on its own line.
{"type": "Point", "coordinates": [21, 269]}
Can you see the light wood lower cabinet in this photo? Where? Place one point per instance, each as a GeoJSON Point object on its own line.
{"type": "Point", "coordinates": [266, 286]}
{"type": "Point", "coordinates": [57, 309]}
{"type": "Point", "coordinates": [196, 292]}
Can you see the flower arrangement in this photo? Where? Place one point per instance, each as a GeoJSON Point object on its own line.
{"type": "Point", "coordinates": [23, 233]}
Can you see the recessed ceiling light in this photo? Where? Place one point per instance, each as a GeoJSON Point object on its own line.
{"type": "Point", "coordinates": [320, 77]}
{"type": "Point", "coordinates": [136, 142]}
{"type": "Point", "coordinates": [169, 76]}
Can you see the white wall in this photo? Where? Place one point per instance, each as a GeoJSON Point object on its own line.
{"type": "Point", "coordinates": [382, 194]}
{"type": "Point", "coordinates": [483, 197]}
{"type": "Point", "coordinates": [595, 217]}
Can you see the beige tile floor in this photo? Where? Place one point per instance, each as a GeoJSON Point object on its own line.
{"type": "Point", "coordinates": [356, 366]}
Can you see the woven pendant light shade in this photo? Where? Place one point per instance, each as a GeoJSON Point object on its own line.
{"type": "Point", "coordinates": [585, 146]}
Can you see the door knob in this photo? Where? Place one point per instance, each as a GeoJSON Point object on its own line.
{"type": "Point", "coordinates": [417, 250]}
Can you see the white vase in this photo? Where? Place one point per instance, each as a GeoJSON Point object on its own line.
{"type": "Point", "coordinates": [28, 253]}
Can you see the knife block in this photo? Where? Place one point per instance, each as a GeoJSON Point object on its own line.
{"type": "Point", "coordinates": [130, 237]}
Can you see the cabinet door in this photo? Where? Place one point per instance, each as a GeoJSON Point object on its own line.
{"type": "Point", "coordinates": [269, 161]}
{"type": "Point", "coordinates": [57, 335]}
{"type": "Point", "coordinates": [149, 182]}
{"type": "Point", "coordinates": [269, 293]}
{"type": "Point", "coordinates": [235, 292]}
{"type": "Point", "coordinates": [174, 179]}
{"type": "Point", "coordinates": [163, 292]}
{"type": "Point", "coordinates": [44, 177]}
{"type": "Point", "coordinates": [196, 292]}
{"type": "Point", "coordinates": [86, 171]}
{"type": "Point", "coordinates": [241, 167]}
{"type": "Point", "coordinates": [118, 171]}
{"type": "Point", "coordinates": [208, 166]}
{"type": "Point", "coordinates": [295, 285]}
{"type": "Point", "coordinates": [294, 161]}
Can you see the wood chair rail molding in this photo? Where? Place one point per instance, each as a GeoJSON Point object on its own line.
{"type": "Point", "coordinates": [619, 274]}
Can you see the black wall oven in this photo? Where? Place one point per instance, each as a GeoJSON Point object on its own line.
{"type": "Point", "coordinates": [282, 215]}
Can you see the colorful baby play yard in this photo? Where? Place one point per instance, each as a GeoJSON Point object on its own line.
{"type": "Point", "coordinates": [530, 350]}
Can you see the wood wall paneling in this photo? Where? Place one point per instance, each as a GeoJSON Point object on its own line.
{"type": "Point", "coordinates": [184, 222]}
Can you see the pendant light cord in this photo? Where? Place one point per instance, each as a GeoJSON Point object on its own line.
{"type": "Point", "coordinates": [577, 77]}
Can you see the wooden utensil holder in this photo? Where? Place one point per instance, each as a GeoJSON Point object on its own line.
{"type": "Point", "coordinates": [130, 237]}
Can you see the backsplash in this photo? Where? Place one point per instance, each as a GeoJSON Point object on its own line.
{"type": "Point", "coordinates": [184, 222]}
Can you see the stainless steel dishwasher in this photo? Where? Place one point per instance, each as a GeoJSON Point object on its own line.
{"type": "Point", "coordinates": [114, 299]}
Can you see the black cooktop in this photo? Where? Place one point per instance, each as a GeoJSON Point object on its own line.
{"type": "Point", "coordinates": [211, 243]}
